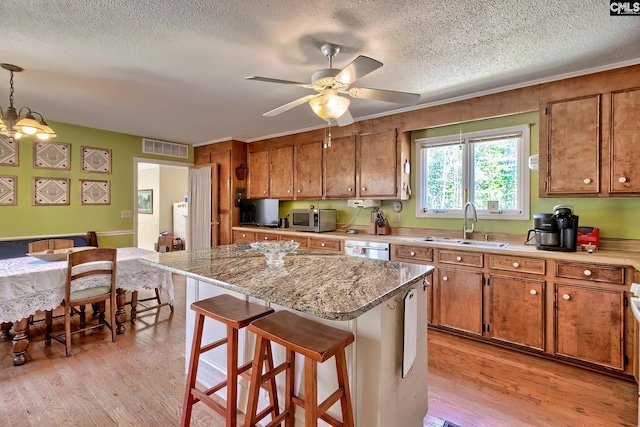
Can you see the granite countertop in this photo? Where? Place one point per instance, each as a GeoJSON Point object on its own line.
{"type": "Point", "coordinates": [602, 256]}
{"type": "Point", "coordinates": [327, 285]}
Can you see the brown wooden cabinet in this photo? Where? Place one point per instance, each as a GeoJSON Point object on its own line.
{"type": "Point", "coordinates": [378, 165]}
{"type": "Point", "coordinates": [308, 176]}
{"type": "Point", "coordinates": [340, 168]}
{"type": "Point", "coordinates": [589, 325]}
{"type": "Point", "coordinates": [334, 245]}
{"type": "Point", "coordinates": [625, 142]}
{"type": "Point", "coordinates": [516, 311]}
{"type": "Point", "coordinates": [460, 300]}
{"type": "Point", "coordinates": [243, 236]}
{"type": "Point", "coordinates": [416, 255]}
{"type": "Point", "coordinates": [258, 179]}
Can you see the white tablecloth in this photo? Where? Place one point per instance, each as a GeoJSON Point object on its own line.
{"type": "Point", "coordinates": [29, 284]}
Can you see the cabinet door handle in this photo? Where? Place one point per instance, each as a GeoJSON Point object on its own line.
{"type": "Point", "coordinates": [516, 265]}
{"type": "Point", "coordinates": [288, 191]}
{"type": "Point", "coordinates": [445, 278]}
{"type": "Point", "coordinates": [587, 181]}
{"type": "Point", "coordinates": [533, 292]}
{"type": "Point", "coordinates": [622, 179]}
{"type": "Point", "coordinates": [364, 188]}
{"type": "Point", "coordinates": [458, 258]}
{"type": "Point", "coordinates": [323, 245]}
{"type": "Point", "coordinates": [264, 192]}
{"type": "Point", "coordinates": [349, 189]}
{"type": "Point", "coordinates": [587, 272]}
{"type": "Point", "coordinates": [412, 253]}
{"type": "Point", "coordinates": [298, 191]}
{"type": "Point", "coordinates": [566, 296]}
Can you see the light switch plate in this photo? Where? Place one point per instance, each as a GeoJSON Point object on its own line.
{"type": "Point", "coordinates": [493, 206]}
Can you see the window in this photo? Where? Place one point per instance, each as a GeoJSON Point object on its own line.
{"type": "Point", "coordinates": [490, 166]}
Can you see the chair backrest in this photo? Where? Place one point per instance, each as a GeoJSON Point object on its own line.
{"type": "Point", "coordinates": [105, 264]}
{"type": "Point", "coordinates": [39, 246]}
{"type": "Point", "coordinates": [43, 245]}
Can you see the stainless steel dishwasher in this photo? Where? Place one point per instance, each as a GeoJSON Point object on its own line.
{"type": "Point", "coordinates": [359, 248]}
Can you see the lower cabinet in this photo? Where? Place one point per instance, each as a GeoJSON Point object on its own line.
{"type": "Point", "coordinates": [460, 300]}
{"type": "Point", "coordinates": [589, 325]}
{"type": "Point", "coordinates": [516, 311]}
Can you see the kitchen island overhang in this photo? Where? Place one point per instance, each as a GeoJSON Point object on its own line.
{"type": "Point", "coordinates": [361, 295]}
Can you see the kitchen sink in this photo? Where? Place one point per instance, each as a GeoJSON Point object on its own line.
{"type": "Point", "coordinates": [467, 242]}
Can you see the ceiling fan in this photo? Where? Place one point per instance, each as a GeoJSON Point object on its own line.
{"type": "Point", "coordinates": [329, 83]}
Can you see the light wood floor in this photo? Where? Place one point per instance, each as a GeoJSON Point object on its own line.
{"type": "Point", "coordinates": [139, 381]}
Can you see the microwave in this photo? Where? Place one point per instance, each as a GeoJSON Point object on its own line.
{"type": "Point", "coordinates": [316, 220]}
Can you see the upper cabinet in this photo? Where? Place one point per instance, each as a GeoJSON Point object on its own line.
{"type": "Point", "coordinates": [270, 174]}
{"type": "Point", "coordinates": [378, 165]}
{"type": "Point", "coordinates": [308, 170]}
{"type": "Point", "coordinates": [340, 168]}
{"type": "Point", "coordinates": [258, 180]}
{"type": "Point", "coordinates": [590, 136]}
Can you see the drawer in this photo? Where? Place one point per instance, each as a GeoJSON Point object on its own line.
{"type": "Point", "coordinates": [301, 240]}
{"type": "Point", "coordinates": [325, 244]}
{"type": "Point", "coordinates": [592, 272]}
{"type": "Point", "coordinates": [412, 253]}
{"type": "Point", "coordinates": [243, 236]}
{"type": "Point", "coordinates": [261, 237]}
{"type": "Point", "coordinates": [473, 259]}
{"type": "Point", "coordinates": [519, 264]}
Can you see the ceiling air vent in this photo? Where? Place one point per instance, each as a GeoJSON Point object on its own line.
{"type": "Point", "coordinates": [171, 149]}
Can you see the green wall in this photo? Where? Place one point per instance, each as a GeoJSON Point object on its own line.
{"type": "Point", "coordinates": [616, 217]}
{"type": "Point", "coordinates": [25, 220]}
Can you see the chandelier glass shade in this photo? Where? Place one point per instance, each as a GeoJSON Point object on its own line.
{"type": "Point", "coordinates": [14, 123]}
{"type": "Point", "coordinates": [329, 105]}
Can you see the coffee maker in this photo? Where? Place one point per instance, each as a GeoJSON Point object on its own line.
{"type": "Point", "coordinates": [557, 231]}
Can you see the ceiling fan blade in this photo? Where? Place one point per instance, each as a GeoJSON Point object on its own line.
{"type": "Point", "coordinates": [359, 67]}
{"type": "Point", "coordinates": [270, 80]}
{"type": "Point", "coordinates": [345, 119]}
{"type": "Point", "coordinates": [289, 106]}
{"type": "Point", "coordinates": [384, 95]}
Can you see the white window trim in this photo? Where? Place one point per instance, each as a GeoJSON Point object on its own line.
{"type": "Point", "coordinates": [524, 187]}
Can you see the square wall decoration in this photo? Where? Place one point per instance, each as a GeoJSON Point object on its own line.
{"type": "Point", "coordinates": [52, 155]}
{"type": "Point", "coordinates": [50, 191]}
{"type": "Point", "coordinates": [8, 151]}
{"type": "Point", "coordinates": [8, 190]}
{"type": "Point", "coordinates": [96, 160]}
{"type": "Point", "coordinates": [94, 192]}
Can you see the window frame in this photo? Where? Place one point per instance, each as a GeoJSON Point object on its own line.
{"type": "Point", "coordinates": [522, 171]}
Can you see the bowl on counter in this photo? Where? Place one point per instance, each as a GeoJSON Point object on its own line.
{"type": "Point", "coordinates": [275, 250]}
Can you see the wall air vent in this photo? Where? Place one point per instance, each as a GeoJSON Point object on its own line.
{"type": "Point", "coordinates": [170, 149]}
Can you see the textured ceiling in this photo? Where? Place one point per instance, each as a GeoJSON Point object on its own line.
{"type": "Point", "coordinates": [174, 70]}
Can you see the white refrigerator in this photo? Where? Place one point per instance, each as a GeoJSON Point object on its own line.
{"type": "Point", "coordinates": [180, 213]}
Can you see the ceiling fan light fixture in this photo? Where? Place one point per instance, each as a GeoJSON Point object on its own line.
{"type": "Point", "coordinates": [329, 105]}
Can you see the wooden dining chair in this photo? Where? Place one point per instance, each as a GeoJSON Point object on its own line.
{"type": "Point", "coordinates": [103, 288]}
{"type": "Point", "coordinates": [39, 246]}
{"type": "Point", "coordinates": [43, 245]}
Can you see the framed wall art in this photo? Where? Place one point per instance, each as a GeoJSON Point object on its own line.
{"type": "Point", "coordinates": [96, 159]}
{"type": "Point", "coordinates": [51, 155]}
{"type": "Point", "coordinates": [50, 191]}
{"type": "Point", "coordinates": [145, 201]}
{"type": "Point", "coordinates": [95, 192]}
{"type": "Point", "coordinates": [8, 151]}
{"type": "Point", "coordinates": [8, 190]}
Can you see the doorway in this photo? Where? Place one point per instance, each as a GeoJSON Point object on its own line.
{"type": "Point", "coordinates": [160, 189]}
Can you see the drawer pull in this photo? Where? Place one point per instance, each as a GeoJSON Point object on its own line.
{"type": "Point", "coordinates": [587, 272]}
{"type": "Point", "coordinates": [566, 296]}
{"type": "Point", "coordinates": [323, 244]}
{"type": "Point", "coordinates": [533, 292]}
{"type": "Point", "coordinates": [458, 258]}
{"type": "Point", "coordinates": [516, 265]}
{"type": "Point", "coordinates": [445, 278]}
{"type": "Point", "coordinates": [266, 238]}
{"type": "Point", "coordinates": [244, 235]}
{"type": "Point", "coordinates": [587, 181]}
{"type": "Point", "coordinates": [412, 253]}
{"type": "Point", "coordinates": [622, 179]}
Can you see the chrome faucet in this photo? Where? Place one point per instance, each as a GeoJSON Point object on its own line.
{"type": "Point", "coordinates": [466, 231]}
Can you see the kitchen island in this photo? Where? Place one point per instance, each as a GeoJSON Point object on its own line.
{"type": "Point", "coordinates": [387, 363]}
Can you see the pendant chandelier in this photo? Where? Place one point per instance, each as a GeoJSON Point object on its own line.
{"type": "Point", "coordinates": [14, 123]}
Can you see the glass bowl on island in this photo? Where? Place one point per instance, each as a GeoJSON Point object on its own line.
{"type": "Point", "coordinates": [275, 250]}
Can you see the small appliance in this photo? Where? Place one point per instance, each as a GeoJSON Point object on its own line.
{"type": "Point", "coordinates": [263, 212]}
{"type": "Point", "coordinates": [315, 220]}
{"type": "Point", "coordinates": [557, 231]}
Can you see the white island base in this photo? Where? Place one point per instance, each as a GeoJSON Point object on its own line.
{"type": "Point", "coordinates": [381, 396]}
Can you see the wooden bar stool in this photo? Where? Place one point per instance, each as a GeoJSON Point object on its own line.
{"type": "Point", "coordinates": [317, 343]}
{"type": "Point", "coordinates": [235, 314]}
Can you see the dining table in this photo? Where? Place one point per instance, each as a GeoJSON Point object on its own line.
{"type": "Point", "coordinates": [29, 285]}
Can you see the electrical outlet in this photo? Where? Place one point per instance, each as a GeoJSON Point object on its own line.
{"type": "Point", "coordinates": [396, 217]}
{"type": "Point", "coordinates": [493, 206]}
{"type": "Point", "coordinates": [126, 214]}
